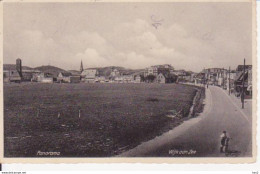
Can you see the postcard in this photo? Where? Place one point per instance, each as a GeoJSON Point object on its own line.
{"type": "Point", "coordinates": [128, 81]}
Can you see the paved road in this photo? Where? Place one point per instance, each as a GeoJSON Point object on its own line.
{"type": "Point", "coordinates": [201, 134]}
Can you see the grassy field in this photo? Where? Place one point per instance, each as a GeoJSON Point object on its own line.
{"type": "Point", "coordinates": [113, 117]}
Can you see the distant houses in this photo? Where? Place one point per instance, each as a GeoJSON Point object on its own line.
{"type": "Point", "coordinates": [67, 77]}
{"type": "Point", "coordinates": [11, 76]}
{"type": "Point", "coordinates": [89, 75]}
{"type": "Point", "coordinates": [43, 78]}
{"type": "Point", "coordinates": [18, 73]}
{"type": "Point", "coordinates": [160, 74]}
{"type": "Point", "coordinates": [48, 74]}
{"type": "Point", "coordinates": [230, 80]}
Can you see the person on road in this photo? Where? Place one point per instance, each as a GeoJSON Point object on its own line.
{"type": "Point", "coordinates": [225, 149]}
{"type": "Point", "coordinates": [223, 139]}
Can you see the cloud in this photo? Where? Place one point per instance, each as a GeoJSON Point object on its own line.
{"type": "Point", "coordinates": [140, 47]}
{"type": "Point", "coordinates": [189, 37]}
{"type": "Point", "coordinates": [33, 47]}
{"type": "Point", "coordinates": [134, 44]}
{"type": "Point", "coordinates": [91, 57]}
{"type": "Point", "coordinates": [80, 41]}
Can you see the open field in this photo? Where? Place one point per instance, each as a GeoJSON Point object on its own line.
{"type": "Point", "coordinates": [113, 117]}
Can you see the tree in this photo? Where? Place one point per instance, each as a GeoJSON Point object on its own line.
{"type": "Point", "coordinates": [172, 78]}
{"type": "Point", "coordinates": [150, 78]}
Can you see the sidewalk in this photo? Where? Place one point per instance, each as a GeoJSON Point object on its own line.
{"type": "Point", "coordinates": [248, 104]}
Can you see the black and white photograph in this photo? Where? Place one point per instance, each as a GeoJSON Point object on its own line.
{"type": "Point", "coordinates": [128, 80]}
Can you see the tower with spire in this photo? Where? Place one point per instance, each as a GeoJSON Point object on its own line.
{"type": "Point", "coordinates": [81, 66]}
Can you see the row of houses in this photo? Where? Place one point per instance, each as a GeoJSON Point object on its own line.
{"type": "Point", "coordinates": [167, 74]}
{"type": "Point", "coordinates": [153, 74]}
{"type": "Point", "coordinates": [228, 79]}
{"type": "Point", "coordinates": [92, 75]}
{"type": "Point", "coordinates": [18, 73]}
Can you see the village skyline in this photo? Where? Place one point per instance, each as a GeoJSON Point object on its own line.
{"type": "Point", "coordinates": [114, 66]}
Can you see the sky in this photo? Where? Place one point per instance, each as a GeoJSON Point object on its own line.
{"type": "Point", "coordinates": [189, 36]}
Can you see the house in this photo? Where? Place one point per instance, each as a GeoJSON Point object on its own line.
{"type": "Point", "coordinates": [14, 76]}
{"type": "Point", "coordinates": [157, 69]}
{"type": "Point", "coordinates": [44, 77]}
{"type": "Point", "coordinates": [215, 76]}
{"type": "Point", "coordinates": [246, 77]}
{"type": "Point", "coordinates": [230, 80]}
{"type": "Point", "coordinates": [184, 76]}
{"type": "Point", "coordinates": [153, 70]}
{"type": "Point", "coordinates": [100, 79]}
{"type": "Point", "coordinates": [240, 68]}
{"type": "Point", "coordinates": [74, 79]}
{"type": "Point", "coordinates": [67, 77]}
{"type": "Point", "coordinates": [11, 76]}
{"type": "Point", "coordinates": [179, 72]}
{"type": "Point", "coordinates": [75, 72]}
{"type": "Point", "coordinates": [64, 77]}
{"type": "Point", "coordinates": [119, 79]}
{"type": "Point", "coordinates": [28, 74]}
{"type": "Point", "coordinates": [137, 79]}
{"type": "Point", "coordinates": [114, 73]}
{"type": "Point", "coordinates": [128, 79]}
{"type": "Point", "coordinates": [89, 75]}
{"type": "Point", "coordinates": [161, 78]}
{"type": "Point", "coordinates": [199, 78]}
{"type": "Point", "coordinates": [17, 72]}
{"type": "Point", "coordinates": [166, 78]}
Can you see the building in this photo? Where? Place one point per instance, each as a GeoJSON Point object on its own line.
{"type": "Point", "coordinates": [19, 67]}
{"type": "Point", "coordinates": [184, 76]}
{"type": "Point", "coordinates": [101, 79]}
{"type": "Point", "coordinates": [161, 78]}
{"type": "Point", "coordinates": [153, 70]}
{"type": "Point", "coordinates": [74, 79]}
{"type": "Point", "coordinates": [81, 67]}
{"type": "Point", "coordinates": [43, 78]}
{"type": "Point", "coordinates": [157, 69]}
{"type": "Point", "coordinates": [246, 77]}
{"type": "Point", "coordinates": [160, 74]}
{"type": "Point", "coordinates": [230, 80]}
{"type": "Point", "coordinates": [11, 76]}
{"type": "Point", "coordinates": [64, 77]}
{"type": "Point", "coordinates": [199, 78]}
{"type": "Point", "coordinates": [119, 79]}
{"type": "Point", "coordinates": [89, 75]}
{"type": "Point", "coordinates": [115, 73]}
{"type": "Point", "coordinates": [179, 72]}
{"type": "Point", "coordinates": [137, 79]}
{"type": "Point", "coordinates": [68, 77]}
{"type": "Point", "coordinates": [215, 76]}
{"type": "Point", "coordinates": [16, 73]}
{"type": "Point", "coordinates": [128, 79]}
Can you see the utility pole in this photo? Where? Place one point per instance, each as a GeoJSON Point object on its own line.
{"type": "Point", "coordinates": [243, 85]}
{"type": "Point", "coordinates": [204, 77]}
{"type": "Point", "coordinates": [229, 81]}
{"type": "Point", "coordinates": [223, 78]}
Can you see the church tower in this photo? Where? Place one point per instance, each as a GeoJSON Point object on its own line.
{"type": "Point", "coordinates": [81, 66]}
{"type": "Point", "coordinates": [19, 67]}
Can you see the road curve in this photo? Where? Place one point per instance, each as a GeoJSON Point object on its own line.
{"type": "Point", "coordinates": [200, 135]}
